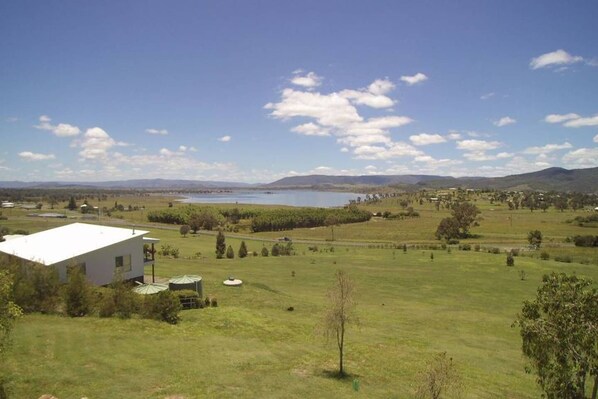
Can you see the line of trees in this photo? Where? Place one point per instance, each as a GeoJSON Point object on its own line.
{"type": "Point", "coordinates": [288, 219]}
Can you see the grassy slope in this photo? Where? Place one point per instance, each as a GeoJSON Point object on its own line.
{"type": "Point", "coordinates": [409, 308]}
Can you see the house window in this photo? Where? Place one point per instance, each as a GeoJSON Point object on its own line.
{"type": "Point", "coordinates": [123, 262]}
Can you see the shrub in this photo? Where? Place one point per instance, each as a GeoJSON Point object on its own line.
{"type": "Point", "coordinates": [36, 288]}
{"type": "Point", "coordinates": [452, 241]}
{"type": "Point", "coordinates": [77, 293]}
{"type": "Point", "coordinates": [163, 306]}
{"type": "Point", "coordinates": [207, 301]}
{"type": "Point", "coordinates": [124, 298]}
{"type": "Point", "coordinates": [106, 305]}
{"type": "Point", "coordinates": [586, 241]}
{"type": "Point", "coordinates": [230, 253]}
{"type": "Point", "coordinates": [544, 255]}
{"type": "Point", "coordinates": [264, 251]}
{"type": "Point", "coordinates": [214, 302]}
{"type": "Point", "coordinates": [242, 250]}
{"type": "Point", "coordinates": [510, 260]}
{"type": "Point", "coordinates": [494, 250]}
{"type": "Point", "coordinates": [275, 250]}
{"type": "Point", "coordinates": [476, 247]}
{"type": "Point", "coordinates": [515, 251]}
{"type": "Point", "coordinates": [465, 247]}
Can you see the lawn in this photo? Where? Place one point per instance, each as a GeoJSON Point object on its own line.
{"type": "Point", "coordinates": [409, 306]}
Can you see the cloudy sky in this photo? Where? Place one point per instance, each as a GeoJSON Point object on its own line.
{"type": "Point", "coordinates": [255, 91]}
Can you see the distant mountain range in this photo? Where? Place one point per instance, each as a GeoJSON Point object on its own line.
{"type": "Point", "coordinates": [558, 179]}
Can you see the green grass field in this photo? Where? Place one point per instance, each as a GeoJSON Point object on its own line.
{"type": "Point", "coordinates": [250, 346]}
{"type": "Point", "coordinates": [409, 306]}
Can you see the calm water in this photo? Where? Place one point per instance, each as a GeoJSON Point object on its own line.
{"type": "Point", "coordinates": [322, 199]}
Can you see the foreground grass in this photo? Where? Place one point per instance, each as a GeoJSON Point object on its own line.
{"type": "Point", "coordinates": [410, 308]}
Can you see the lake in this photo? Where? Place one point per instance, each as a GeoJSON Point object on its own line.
{"type": "Point", "coordinates": [321, 199]}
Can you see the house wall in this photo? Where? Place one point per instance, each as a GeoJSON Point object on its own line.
{"type": "Point", "coordinates": [100, 264]}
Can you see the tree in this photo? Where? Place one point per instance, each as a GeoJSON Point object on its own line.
{"type": "Point", "coordinates": [448, 228]}
{"type": "Point", "coordinates": [559, 331]}
{"type": "Point", "coordinates": [560, 203]}
{"type": "Point", "coordinates": [230, 253]}
{"type": "Point", "coordinates": [534, 238]}
{"type": "Point", "coordinates": [440, 377]}
{"type": "Point", "coordinates": [331, 221]}
{"type": "Point", "coordinates": [184, 230]}
{"type": "Point", "coordinates": [72, 204]}
{"type": "Point", "coordinates": [275, 250]}
{"type": "Point", "coordinates": [242, 250]}
{"type": "Point", "coordinates": [465, 213]}
{"type": "Point", "coordinates": [340, 312]}
{"type": "Point", "coordinates": [220, 245]}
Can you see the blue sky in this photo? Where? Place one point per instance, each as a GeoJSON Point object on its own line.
{"type": "Point", "coordinates": [255, 91]}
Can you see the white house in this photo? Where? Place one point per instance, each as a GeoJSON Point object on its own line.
{"type": "Point", "coordinates": [100, 251]}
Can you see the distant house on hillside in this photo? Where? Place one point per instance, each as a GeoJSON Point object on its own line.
{"type": "Point", "coordinates": [98, 250]}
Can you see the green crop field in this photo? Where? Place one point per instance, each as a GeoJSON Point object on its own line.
{"type": "Point", "coordinates": [410, 307]}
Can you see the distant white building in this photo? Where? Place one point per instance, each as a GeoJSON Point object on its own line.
{"type": "Point", "coordinates": [6, 204]}
{"type": "Point", "coordinates": [98, 250]}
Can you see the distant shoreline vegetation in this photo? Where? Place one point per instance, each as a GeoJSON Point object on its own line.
{"type": "Point", "coordinates": [262, 219]}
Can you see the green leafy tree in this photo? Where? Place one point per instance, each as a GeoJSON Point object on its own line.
{"type": "Point", "coordinates": [448, 229]}
{"type": "Point", "coordinates": [559, 330]}
{"type": "Point", "coordinates": [220, 245]}
{"type": "Point", "coordinates": [242, 250]}
{"type": "Point", "coordinates": [124, 298]}
{"type": "Point", "coordinates": [465, 214]}
{"type": "Point", "coordinates": [534, 238]}
{"type": "Point", "coordinates": [77, 293]}
{"type": "Point", "coordinates": [340, 313]}
{"type": "Point", "coordinates": [230, 252]}
{"type": "Point", "coordinates": [264, 251]}
{"type": "Point", "coordinates": [184, 230]}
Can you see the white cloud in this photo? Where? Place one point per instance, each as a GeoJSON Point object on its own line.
{"type": "Point", "coordinates": [394, 150]}
{"type": "Point", "coordinates": [453, 136]}
{"type": "Point", "coordinates": [336, 114]}
{"type": "Point", "coordinates": [381, 86]}
{"type": "Point", "coordinates": [548, 148]}
{"type": "Point", "coordinates": [225, 139]}
{"type": "Point", "coordinates": [32, 156]}
{"type": "Point", "coordinates": [311, 129]}
{"type": "Point", "coordinates": [345, 149]}
{"type": "Point", "coordinates": [415, 79]}
{"type": "Point", "coordinates": [95, 143]}
{"type": "Point", "coordinates": [558, 57]}
{"type": "Point", "coordinates": [182, 148]}
{"type": "Point", "coordinates": [478, 145]}
{"type": "Point", "coordinates": [426, 139]}
{"type": "Point", "coordinates": [160, 132]}
{"type": "Point", "coordinates": [60, 130]}
{"type": "Point", "coordinates": [11, 119]}
{"type": "Point", "coordinates": [361, 97]}
{"type": "Point", "coordinates": [582, 157]}
{"type": "Point", "coordinates": [310, 80]}
{"type": "Point", "coordinates": [557, 118]}
{"type": "Point", "coordinates": [487, 96]}
{"type": "Point", "coordinates": [504, 121]}
{"type": "Point", "coordinates": [581, 122]}
{"type": "Point", "coordinates": [596, 138]}
{"type": "Point", "coordinates": [480, 156]}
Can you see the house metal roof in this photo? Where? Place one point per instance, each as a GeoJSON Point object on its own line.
{"type": "Point", "coordinates": [66, 242]}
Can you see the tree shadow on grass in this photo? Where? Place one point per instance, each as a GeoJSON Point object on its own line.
{"type": "Point", "coordinates": [334, 374]}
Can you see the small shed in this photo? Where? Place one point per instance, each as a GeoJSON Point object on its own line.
{"type": "Point", "coordinates": [186, 282]}
{"type": "Point", "coordinates": [150, 289]}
